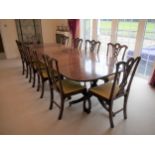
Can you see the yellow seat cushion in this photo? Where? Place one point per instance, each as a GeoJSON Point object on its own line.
{"type": "Point", "coordinates": [44, 73]}
{"type": "Point", "coordinates": [104, 90]}
{"type": "Point", "coordinates": [70, 86]}
{"type": "Point", "coordinates": [39, 65]}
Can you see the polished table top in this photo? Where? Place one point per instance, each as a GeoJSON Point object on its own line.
{"type": "Point", "coordinates": [77, 64]}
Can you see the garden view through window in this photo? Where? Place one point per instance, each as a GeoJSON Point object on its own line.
{"type": "Point", "coordinates": [126, 33]}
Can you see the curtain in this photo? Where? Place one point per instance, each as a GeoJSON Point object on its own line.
{"type": "Point", "coordinates": [74, 25]}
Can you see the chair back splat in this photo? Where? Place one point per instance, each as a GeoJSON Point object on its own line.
{"type": "Point", "coordinates": [77, 43]}
{"type": "Point", "coordinates": [56, 80]}
{"type": "Point", "coordinates": [116, 50]}
{"type": "Point", "coordinates": [125, 72]}
{"type": "Point", "coordinates": [92, 46]}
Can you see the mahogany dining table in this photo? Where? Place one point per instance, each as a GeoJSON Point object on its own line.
{"type": "Point", "coordinates": [77, 65]}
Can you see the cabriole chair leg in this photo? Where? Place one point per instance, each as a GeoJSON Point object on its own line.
{"type": "Point", "coordinates": [27, 71]}
{"type": "Point", "coordinates": [51, 99]}
{"type": "Point", "coordinates": [125, 106]}
{"type": "Point", "coordinates": [61, 109]}
{"type": "Point", "coordinates": [34, 79]}
{"type": "Point", "coordinates": [38, 87]}
{"type": "Point", "coordinates": [42, 90]}
{"type": "Point", "coordinates": [23, 67]}
{"type": "Point", "coordinates": [111, 117]}
{"type": "Point", "coordinates": [30, 75]}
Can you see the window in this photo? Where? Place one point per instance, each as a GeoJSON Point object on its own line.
{"type": "Point", "coordinates": [148, 49]}
{"type": "Point", "coordinates": [86, 29]}
{"type": "Point", "coordinates": [104, 33]}
{"type": "Point", "coordinates": [126, 34]}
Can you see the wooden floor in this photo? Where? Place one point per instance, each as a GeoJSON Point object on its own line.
{"type": "Point", "coordinates": [23, 112]}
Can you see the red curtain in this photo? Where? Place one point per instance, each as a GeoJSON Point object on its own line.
{"type": "Point", "coordinates": [152, 81]}
{"type": "Point", "coordinates": [74, 27]}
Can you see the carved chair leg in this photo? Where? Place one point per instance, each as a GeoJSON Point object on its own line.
{"type": "Point", "coordinates": [34, 78]}
{"type": "Point", "coordinates": [30, 74]}
{"type": "Point", "coordinates": [61, 109]}
{"type": "Point", "coordinates": [89, 105]}
{"type": "Point", "coordinates": [125, 106]}
{"type": "Point", "coordinates": [38, 87]}
{"type": "Point", "coordinates": [42, 90]}
{"type": "Point", "coordinates": [27, 70]}
{"type": "Point", "coordinates": [111, 116]}
{"type": "Point", "coordinates": [51, 99]}
{"type": "Point", "coordinates": [23, 67]}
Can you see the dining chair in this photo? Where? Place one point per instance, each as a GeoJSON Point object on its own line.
{"type": "Point", "coordinates": [32, 63]}
{"type": "Point", "coordinates": [27, 61]}
{"type": "Point", "coordinates": [65, 87]}
{"type": "Point", "coordinates": [92, 46]}
{"type": "Point", "coordinates": [36, 65]}
{"type": "Point", "coordinates": [77, 43]}
{"type": "Point", "coordinates": [22, 56]}
{"type": "Point", "coordinates": [116, 51]}
{"type": "Point", "coordinates": [46, 59]}
{"type": "Point", "coordinates": [119, 87]}
{"type": "Point", "coordinates": [42, 73]}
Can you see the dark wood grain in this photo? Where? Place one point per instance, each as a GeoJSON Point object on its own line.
{"type": "Point", "coordinates": [77, 64]}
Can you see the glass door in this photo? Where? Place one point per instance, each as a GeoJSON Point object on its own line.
{"type": "Point", "coordinates": [126, 34]}
{"type": "Point", "coordinates": [104, 33]}
{"type": "Point", "coordinates": [148, 49]}
{"type": "Point", "coordinates": [86, 29]}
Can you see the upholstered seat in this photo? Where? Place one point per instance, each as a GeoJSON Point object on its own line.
{"type": "Point", "coordinates": [104, 90]}
{"type": "Point", "coordinates": [44, 73]}
{"type": "Point", "coordinates": [35, 63]}
{"type": "Point", "coordinates": [70, 87]}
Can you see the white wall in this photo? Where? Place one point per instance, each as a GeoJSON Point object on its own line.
{"type": "Point", "coordinates": [9, 35]}
{"type": "Point", "coordinates": [49, 28]}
